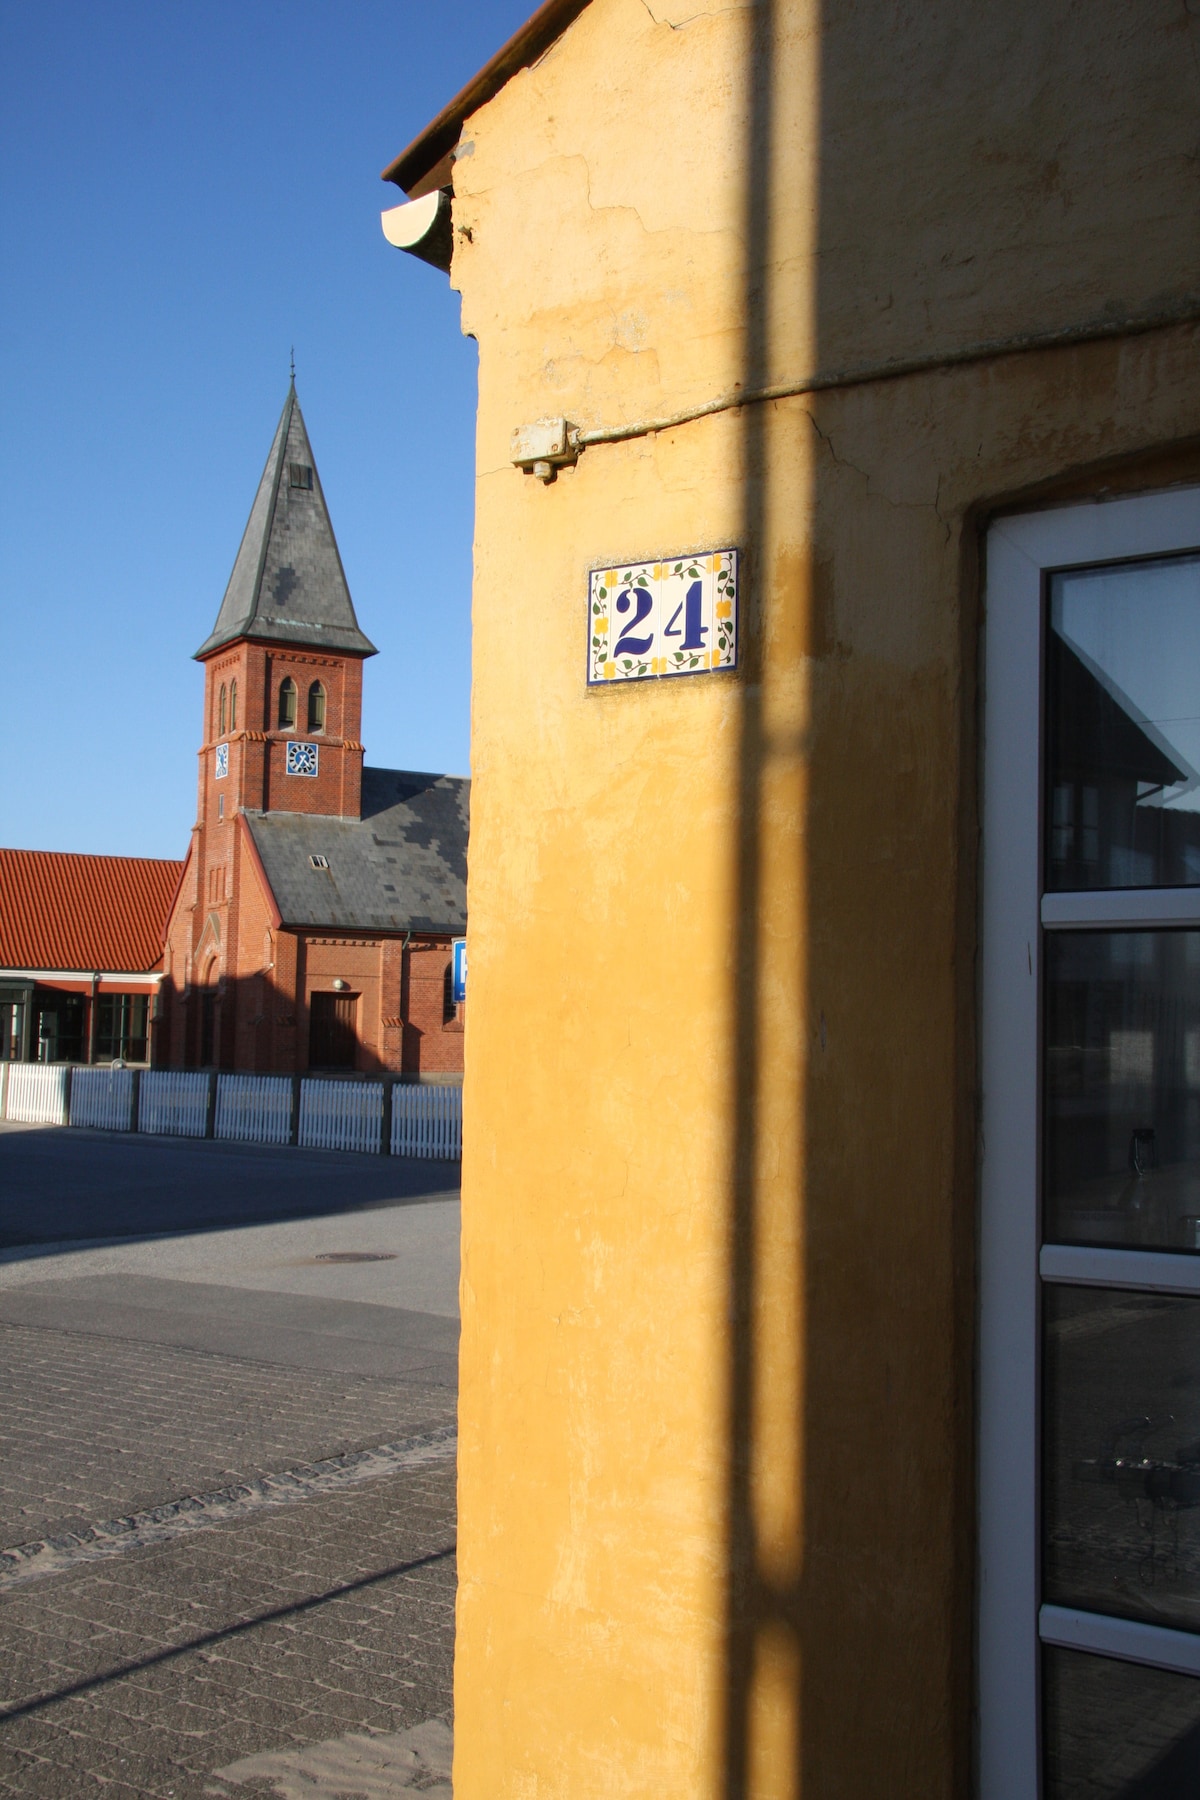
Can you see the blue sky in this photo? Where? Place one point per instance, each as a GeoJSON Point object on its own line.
{"type": "Point", "coordinates": [185, 193]}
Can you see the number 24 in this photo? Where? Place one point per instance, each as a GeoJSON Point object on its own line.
{"type": "Point", "coordinates": [693, 631]}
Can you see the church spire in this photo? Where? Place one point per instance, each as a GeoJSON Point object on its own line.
{"type": "Point", "coordinates": [288, 585]}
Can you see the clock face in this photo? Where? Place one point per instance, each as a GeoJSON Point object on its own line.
{"type": "Point", "coordinates": [222, 768]}
{"type": "Point", "coordinates": [302, 759]}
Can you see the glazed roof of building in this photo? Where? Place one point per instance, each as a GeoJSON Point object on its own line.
{"type": "Point", "coordinates": [402, 867]}
{"type": "Point", "coordinates": [425, 164]}
{"type": "Point", "coordinates": [91, 913]}
{"type": "Point", "coordinates": [288, 584]}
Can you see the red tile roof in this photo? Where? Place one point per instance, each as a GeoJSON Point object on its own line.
{"type": "Point", "coordinates": [83, 912]}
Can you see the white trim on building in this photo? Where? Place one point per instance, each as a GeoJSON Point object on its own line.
{"type": "Point", "coordinates": [1021, 551]}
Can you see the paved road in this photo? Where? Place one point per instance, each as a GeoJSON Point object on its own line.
{"type": "Point", "coordinates": [70, 1184]}
{"type": "Point", "coordinates": [226, 1470]}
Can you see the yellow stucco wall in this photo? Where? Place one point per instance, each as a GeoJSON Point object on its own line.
{"type": "Point", "coordinates": [716, 1376]}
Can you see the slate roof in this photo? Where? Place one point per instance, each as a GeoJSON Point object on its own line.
{"type": "Point", "coordinates": [402, 867]}
{"type": "Point", "coordinates": [288, 583]}
{"type": "Point", "coordinates": [83, 913]}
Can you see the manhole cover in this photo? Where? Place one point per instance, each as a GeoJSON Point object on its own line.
{"type": "Point", "coordinates": [356, 1256]}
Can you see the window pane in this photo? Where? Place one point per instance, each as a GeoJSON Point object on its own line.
{"type": "Point", "coordinates": [1121, 1457]}
{"type": "Point", "coordinates": [1114, 1731]}
{"type": "Point", "coordinates": [136, 1045]}
{"type": "Point", "coordinates": [1122, 1087]}
{"type": "Point", "coordinates": [107, 1025]}
{"type": "Point", "coordinates": [122, 1027]}
{"type": "Point", "coordinates": [12, 1024]}
{"type": "Point", "coordinates": [1123, 738]}
{"type": "Point", "coordinates": [58, 1027]}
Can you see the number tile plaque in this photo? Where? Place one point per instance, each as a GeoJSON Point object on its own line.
{"type": "Point", "coordinates": [677, 616]}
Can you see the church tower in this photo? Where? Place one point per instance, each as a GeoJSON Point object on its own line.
{"type": "Point", "coordinates": [313, 924]}
{"type": "Point", "coordinates": [281, 739]}
{"type": "Point", "coordinates": [283, 663]}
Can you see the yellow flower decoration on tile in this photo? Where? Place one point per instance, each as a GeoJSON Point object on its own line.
{"type": "Point", "coordinates": [610, 670]}
{"type": "Point", "coordinates": [600, 628]}
{"type": "Point", "coordinates": [724, 608]}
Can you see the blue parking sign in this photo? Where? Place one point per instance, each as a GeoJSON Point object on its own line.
{"type": "Point", "coordinates": [460, 970]}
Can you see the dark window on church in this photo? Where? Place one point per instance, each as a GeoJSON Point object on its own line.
{"type": "Point", "coordinates": [233, 706]}
{"type": "Point", "coordinates": [287, 704]}
{"type": "Point", "coordinates": [300, 475]}
{"type": "Point", "coordinates": [316, 707]}
{"type": "Point", "coordinates": [221, 726]}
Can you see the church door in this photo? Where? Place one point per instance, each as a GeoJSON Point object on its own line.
{"type": "Point", "coordinates": [332, 1036]}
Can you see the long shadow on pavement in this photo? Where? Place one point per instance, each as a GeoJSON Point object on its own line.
{"type": "Point", "coordinates": [60, 1185]}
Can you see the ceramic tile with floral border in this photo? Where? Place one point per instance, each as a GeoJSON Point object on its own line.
{"type": "Point", "coordinates": [678, 616]}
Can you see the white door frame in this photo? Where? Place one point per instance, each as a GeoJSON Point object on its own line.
{"type": "Point", "coordinates": [1020, 551]}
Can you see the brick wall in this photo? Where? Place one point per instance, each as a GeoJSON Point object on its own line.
{"type": "Point", "coordinates": [265, 978]}
{"type": "Point", "coordinates": [224, 931]}
{"type": "Point", "coordinates": [433, 1029]}
{"type": "Point", "coordinates": [257, 743]}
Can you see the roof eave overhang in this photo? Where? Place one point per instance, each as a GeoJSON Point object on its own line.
{"type": "Point", "coordinates": [252, 632]}
{"type": "Point", "coordinates": [388, 931]}
{"type": "Point", "coordinates": [426, 163]}
{"type": "Point", "coordinates": [97, 971]}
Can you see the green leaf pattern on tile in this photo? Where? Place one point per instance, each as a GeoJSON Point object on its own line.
{"type": "Point", "coordinates": [720, 571]}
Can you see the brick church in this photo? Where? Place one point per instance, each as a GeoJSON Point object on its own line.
{"type": "Point", "coordinates": [313, 922]}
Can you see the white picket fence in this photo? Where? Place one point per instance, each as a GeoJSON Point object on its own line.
{"type": "Point", "coordinates": [341, 1115]}
{"type": "Point", "coordinates": [173, 1102]}
{"type": "Point", "coordinates": [36, 1093]}
{"type": "Point", "coordinates": [427, 1121]}
{"type": "Point", "coordinates": [255, 1109]}
{"type": "Point", "coordinates": [102, 1098]}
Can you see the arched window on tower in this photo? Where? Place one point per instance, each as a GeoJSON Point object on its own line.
{"type": "Point", "coordinates": [287, 704]}
{"type": "Point", "coordinates": [221, 710]}
{"type": "Point", "coordinates": [233, 706]}
{"type": "Point", "coordinates": [316, 707]}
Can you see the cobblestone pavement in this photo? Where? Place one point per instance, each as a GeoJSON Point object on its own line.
{"type": "Point", "coordinates": [89, 1435]}
{"type": "Point", "coordinates": [296, 1643]}
{"type": "Point", "coordinates": [147, 1676]}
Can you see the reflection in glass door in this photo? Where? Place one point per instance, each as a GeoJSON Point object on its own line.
{"type": "Point", "coordinates": [1090, 1438]}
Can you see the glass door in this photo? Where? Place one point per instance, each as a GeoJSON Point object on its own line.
{"type": "Point", "coordinates": [1090, 1273]}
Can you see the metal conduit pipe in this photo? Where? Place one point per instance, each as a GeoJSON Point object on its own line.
{"type": "Point", "coordinates": [547, 445]}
